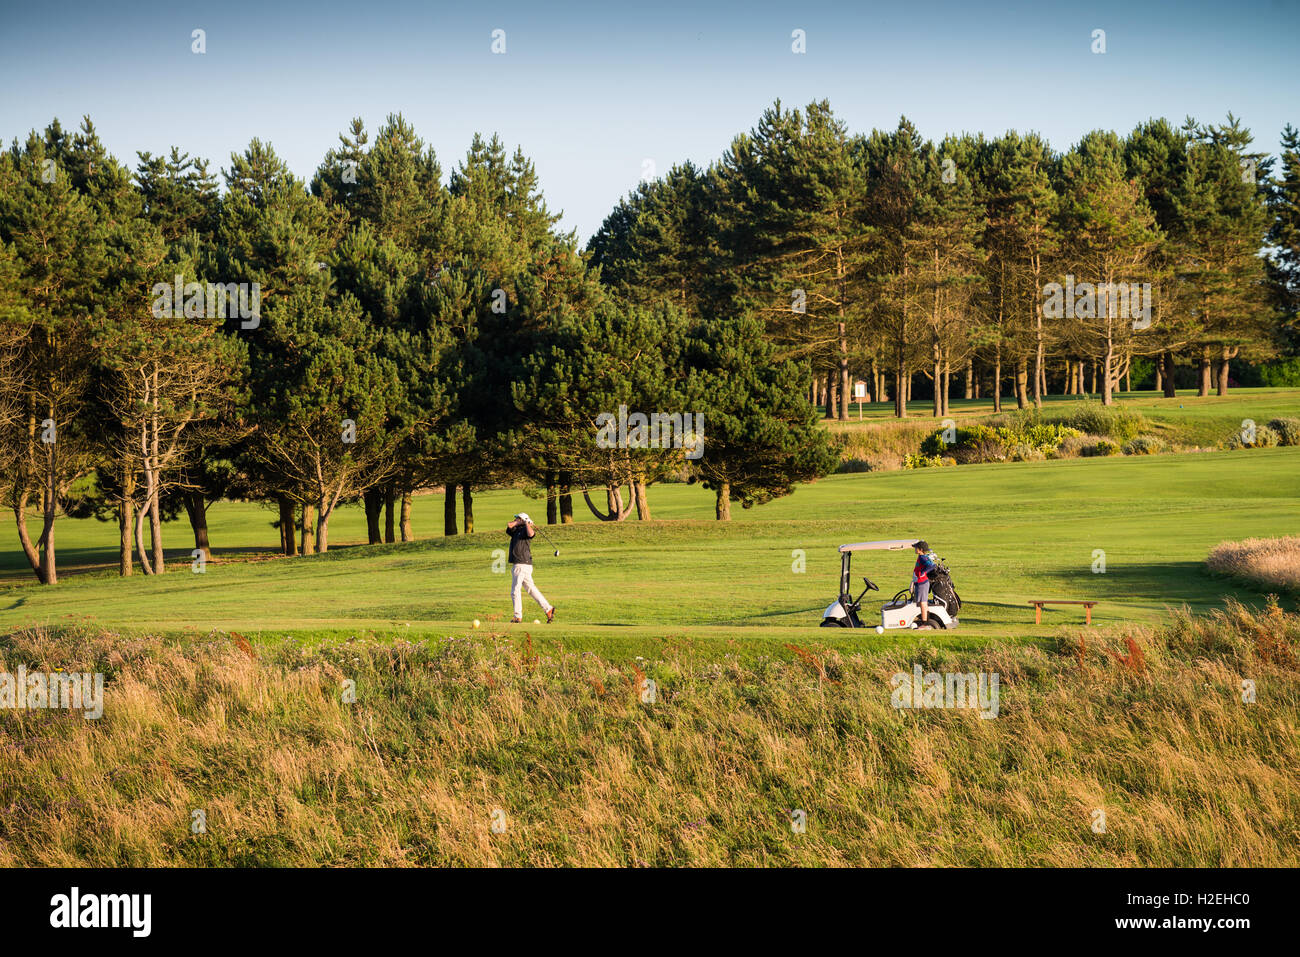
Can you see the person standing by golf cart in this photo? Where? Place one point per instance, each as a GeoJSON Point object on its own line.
{"type": "Point", "coordinates": [925, 562]}
{"type": "Point", "coordinates": [521, 530]}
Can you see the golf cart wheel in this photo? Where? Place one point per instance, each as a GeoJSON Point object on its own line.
{"type": "Point", "coordinates": [835, 623]}
{"type": "Point", "coordinates": [934, 624]}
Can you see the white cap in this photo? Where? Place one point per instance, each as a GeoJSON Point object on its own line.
{"type": "Point", "coordinates": [524, 516]}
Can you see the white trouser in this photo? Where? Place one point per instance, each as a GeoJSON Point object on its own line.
{"type": "Point", "coordinates": [521, 577]}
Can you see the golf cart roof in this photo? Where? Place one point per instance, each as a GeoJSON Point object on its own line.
{"type": "Point", "coordinates": [893, 544]}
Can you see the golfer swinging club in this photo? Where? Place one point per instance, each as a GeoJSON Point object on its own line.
{"type": "Point", "coordinates": [520, 530]}
{"type": "Point", "coordinates": [925, 560]}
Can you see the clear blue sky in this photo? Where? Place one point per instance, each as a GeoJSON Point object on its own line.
{"type": "Point", "coordinates": [591, 90]}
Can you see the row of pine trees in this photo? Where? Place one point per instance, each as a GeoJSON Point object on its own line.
{"type": "Point", "coordinates": [891, 259]}
{"type": "Point", "coordinates": [396, 332]}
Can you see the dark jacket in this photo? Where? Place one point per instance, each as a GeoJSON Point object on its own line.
{"type": "Point", "coordinates": [520, 552]}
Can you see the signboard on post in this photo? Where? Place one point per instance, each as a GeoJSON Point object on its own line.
{"type": "Point", "coordinates": [859, 393]}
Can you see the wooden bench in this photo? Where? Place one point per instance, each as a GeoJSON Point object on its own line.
{"type": "Point", "coordinates": [1038, 608]}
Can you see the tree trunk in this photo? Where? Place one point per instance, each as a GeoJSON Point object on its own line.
{"type": "Point", "coordinates": [642, 503]}
{"type": "Point", "coordinates": [936, 372]}
{"type": "Point", "coordinates": [1022, 383]}
{"type": "Point", "coordinates": [1222, 383]}
{"type": "Point", "coordinates": [997, 380]}
{"type": "Point", "coordinates": [33, 558]}
{"type": "Point", "coordinates": [846, 390]}
{"type": "Point", "coordinates": [155, 472]}
{"type": "Point", "coordinates": [551, 510]}
{"type": "Point", "coordinates": [390, 494]}
{"type": "Point", "coordinates": [969, 391]}
{"type": "Point", "coordinates": [449, 510]}
{"type": "Point", "coordinates": [374, 502]}
{"type": "Point", "coordinates": [1203, 385]}
{"type": "Point", "coordinates": [155, 531]}
{"type": "Point", "coordinates": [566, 498]}
{"type": "Point", "coordinates": [140, 517]}
{"type": "Point", "coordinates": [404, 526]}
{"type": "Point", "coordinates": [323, 529]}
{"type": "Point", "coordinates": [1107, 382]}
{"type": "Point", "coordinates": [830, 394]}
{"type": "Point", "coordinates": [288, 527]}
{"type": "Point", "coordinates": [125, 523]}
{"type": "Point", "coordinates": [146, 507]}
{"type": "Point", "coordinates": [195, 508]}
{"type": "Point", "coordinates": [467, 499]}
{"type": "Point", "coordinates": [1039, 374]}
{"type": "Point", "coordinates": [722, 507]}
{"type": "Point", "coordinates": [307, 541]}
{"type": "Point", "coordinates": [616, 511]}
{"type": "Point", "coordinates": [1170, 386]}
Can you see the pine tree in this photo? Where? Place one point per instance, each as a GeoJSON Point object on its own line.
{"type": "Point", "coordinates": [1284, 237]}
{"type": "Point", "coordinates": [1155, 154]}
{"type": "Point", "coordinates": [1222, 225]}
{"type": "Point", "coordinates": [759, 433]}
{"type": "Point", "coordinates": [51, 226]}
{"type": "Point", "coordinates": [942, 241]}
{"type": "Point", "coordinates": [895, 169]}
{"type": "Point", "coordinates": [1110, 236]}
{"type": "Point", "coordinates": [795, 234]}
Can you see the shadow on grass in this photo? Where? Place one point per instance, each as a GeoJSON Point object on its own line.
{"type": "Point", "coordinates": [1159, 583]}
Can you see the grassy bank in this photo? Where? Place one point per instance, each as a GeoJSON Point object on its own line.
{"type": "Point", "coordinates": [445, 738]}
{"type": "Point", "coordinates": [878, 441]}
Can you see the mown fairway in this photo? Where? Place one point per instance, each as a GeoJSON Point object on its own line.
{"type": "Point", "coordinates": [1011, 532]}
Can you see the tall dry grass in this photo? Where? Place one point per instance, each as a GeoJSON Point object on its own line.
{"type": "Point", "coordinates": [1266, 562]}
{"type": "Point", "coordinates": [879, 446]}
{"type": "Point", "coordinates": [1149, 727]}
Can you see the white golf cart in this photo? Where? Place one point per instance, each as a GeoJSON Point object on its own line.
{"type": "Point", "coordinates": [901, 611]}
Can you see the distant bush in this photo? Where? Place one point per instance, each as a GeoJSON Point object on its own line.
{"type": "Point", "coordinates": [1075, 446]}
{"type": "Point", "coordinates": [1288, 431]}
{"type": "Point", "coordinates": [919, 461]}
{"type": "Point", "coordinates": [1101, 447]}
{"type": "Point", "coordinates": [1144, 445]}
{"type": "Point", "coordinates": [1112, 421]}
{"type": "Point", "coordinates": [1026, 440]}
{"type": "Point", "coordinates": [854, 465]}
{"type": "Point", "coordinates": [1263, 438]}
{"type": "Point", "coordinates": [1024, 452]}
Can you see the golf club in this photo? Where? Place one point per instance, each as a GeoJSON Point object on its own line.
{"type": "Point", "coordinates": [548, 540]}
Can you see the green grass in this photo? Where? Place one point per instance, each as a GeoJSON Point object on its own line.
{"type": "Point", "coordinates": [1011, 532]}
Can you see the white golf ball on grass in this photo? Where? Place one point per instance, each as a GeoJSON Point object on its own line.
{"type": "Point", "coordinates": [880, 629]}
{"type": "Point", "coordinates": [475, 622]}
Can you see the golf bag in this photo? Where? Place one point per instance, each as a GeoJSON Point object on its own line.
{"type": "Point", "coordinates": [941, 587]}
